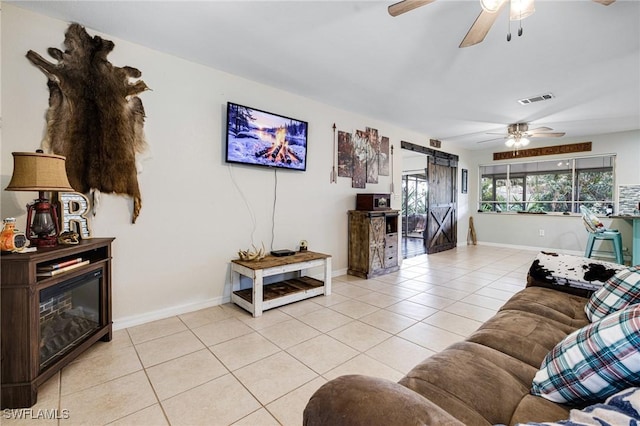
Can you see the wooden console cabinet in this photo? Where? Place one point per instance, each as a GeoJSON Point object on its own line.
{"type": "Point", "coordinates": [22, 368]}
{"type": "Point", "coordinates": [373, 242]}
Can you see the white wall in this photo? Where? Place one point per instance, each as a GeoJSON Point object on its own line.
{"type": "Point", "coordinates": [193, 219]}
{"type": "Point", "coordinates": [565, 233]}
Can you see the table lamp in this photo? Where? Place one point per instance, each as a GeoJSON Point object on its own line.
{"type": "Point", "coordinates": [37, 171]}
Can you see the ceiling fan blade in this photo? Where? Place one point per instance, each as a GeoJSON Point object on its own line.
{"type": "Point", "coordinates": [604, 2]}
{"type": "Point", "coordinates": [491, 140]}
{"type": "Point", "coordinates": [541, 129]}
{"type": "Point", "coordinates": [406, 6]}
{"type": "Point", "coordinates": [481, 27]}
{"type": "Point", "coordinates": [546, 135]}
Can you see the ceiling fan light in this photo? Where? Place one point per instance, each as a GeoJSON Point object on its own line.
{"type": "Point", "coordinates": [524, 141]}
{"type": "Point", "coordinates": [491, 6]}
{"type": "Point", "coordinates": [510, 142]}
{"type": "Point", "coordinates": [521, 9]}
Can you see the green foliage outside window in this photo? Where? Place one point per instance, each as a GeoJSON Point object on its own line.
{"type": "Point", "coordinates": [538, 187]}
{"type": "Point", "coordinates": [415, 194]}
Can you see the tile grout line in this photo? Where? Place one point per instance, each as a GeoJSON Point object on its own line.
{"type": "Point", "coordinates": [469, 283]}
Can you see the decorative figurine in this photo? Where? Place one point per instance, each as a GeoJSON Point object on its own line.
{"type": "Point", "coordinates": [10, 238]}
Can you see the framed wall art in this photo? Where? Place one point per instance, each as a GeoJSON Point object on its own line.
{"type": "Point", "coordinates": [464, 186]}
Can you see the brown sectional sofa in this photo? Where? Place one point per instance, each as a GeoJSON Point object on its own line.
{"type": "Point", "coordinates": [483, 380]}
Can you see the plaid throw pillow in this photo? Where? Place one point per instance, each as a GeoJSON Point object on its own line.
{"type": "Point", "coordinates": [620, 291]}
{"type": "Point", "coordinates": [593, 362]}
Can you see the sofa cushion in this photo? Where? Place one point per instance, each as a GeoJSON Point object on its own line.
{"type": "Point", "coordinates": [593, 362]}
{"type": "Point", "coordinates": [620, 291]}
{"type": "Point", "coordinates": [477, 384]}
{"type": "Point", "coordinates": [535, 409]}
{"type": "Point", "coordinates": [522, 335]}
{"type": "Point", "coordinates": [623, 408]}
{"type": "Point", "coordinates": [551, 304]}
{"type": "Point", "coordinates": [356, 400]}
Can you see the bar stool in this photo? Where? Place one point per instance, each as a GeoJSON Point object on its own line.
{"type": "Point", "coordinates": [597, 231]}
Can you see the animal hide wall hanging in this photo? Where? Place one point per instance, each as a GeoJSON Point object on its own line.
{"type": "Point", "coordinates": [94, 118]}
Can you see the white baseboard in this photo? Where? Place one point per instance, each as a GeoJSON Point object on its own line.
{"type": "Point", "coordinates": [532, 248]}
{"type": "Point", "coordinates": [338, 273]}
{"type": "Point", "coordinates": [520, 247]}
{"type": "Point", "coordinates": [600, 254]}
{"type": "Point", "coordinates": [133, 320]}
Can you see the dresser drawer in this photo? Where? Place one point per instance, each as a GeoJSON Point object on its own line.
{"type": "Point", "coordinates": [391, 251]}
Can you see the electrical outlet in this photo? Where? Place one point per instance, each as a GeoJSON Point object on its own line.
{"type": "Point", "coordinates": [541, 232]}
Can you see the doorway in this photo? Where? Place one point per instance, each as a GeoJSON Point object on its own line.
{"type": "Point", "coordinates": [429, 200]}
{"type": "Point", "coordinates": [414, 212]}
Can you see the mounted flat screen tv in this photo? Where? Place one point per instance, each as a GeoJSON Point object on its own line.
{"type": "Point", "coordinates": [263, 138]}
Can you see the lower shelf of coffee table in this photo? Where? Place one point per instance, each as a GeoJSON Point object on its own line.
{"type": "Point", "coordinates": [284, 292]}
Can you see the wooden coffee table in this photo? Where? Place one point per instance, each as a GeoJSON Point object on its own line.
{"type": "Point", "coordinates": [260, 297]}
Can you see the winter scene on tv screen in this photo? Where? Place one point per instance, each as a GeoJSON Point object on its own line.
{"type": "Point", "coordinates": [260, 138]}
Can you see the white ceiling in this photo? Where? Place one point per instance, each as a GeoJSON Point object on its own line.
{"type": "Point", "coordinates": [406, 70]}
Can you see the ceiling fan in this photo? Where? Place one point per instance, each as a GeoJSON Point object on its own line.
{"type": "Point", "coordinates": [518, 135]}
{"type": "Point", "coordinates": [518, 10]}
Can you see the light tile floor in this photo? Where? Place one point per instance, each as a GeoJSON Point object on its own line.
{"type": "Point", "coordinates": [220, 366]}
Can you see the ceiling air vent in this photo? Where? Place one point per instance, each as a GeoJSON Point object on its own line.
{"type": "Point", "coordinates": [538, 98]}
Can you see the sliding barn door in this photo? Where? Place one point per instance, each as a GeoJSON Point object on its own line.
{"type": "Point", "coordinates": [442, 230]}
